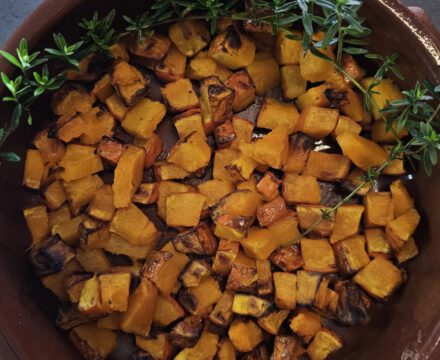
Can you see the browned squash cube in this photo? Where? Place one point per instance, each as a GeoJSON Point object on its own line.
{"type": "Point", "coordinates": [309, 215]}
{"type": "Point", "coordinates": [55, 195]}
{"type": "Point", "coordinates": [287, 51]}
{"type": "Point", "coordinates": [265, 72]}
{"type": "Point", "coordinates": [167, 311]}
{"type": "Point", "coordinates": [94, 260]}
{"type": "Point", "coordinates": [270, 212]}
{"type": "Point", "coordinates": [115, 290]}
{"type": "Point", "coordinates": [352, 68]}
{"type": "Point", "coordinates": [305, 324]}
{"type": "Point", "coordinates": [345, 124]}
{"type": "Point", "coordinates": [93, 342]}
{"type": "Point", "coordinates": [74, 285]}
{"type": "Point", "coordinates": [268, 186]}
{"type": "Point", "coordinates": [188, 122]}
{"type": "Point", "coordinates": [189, 36]}
{"type": "Point", "coordinates": [134, 226]}
{"type": "Point", "coordinates": [300, 146]}
{"type": "Point", "coordinates": [347, 222]}
{"type": "Point", "coordinates": [224, 135]}
{"type": "Point", "coordinates": [81, 192]}
{"type": "Point", "coordinates": [351, 255]}
{"type": "Point", "coordinates": [223, 158]}
{"type": "Point", "coordinates": [167, 188]}
{"type": "Point", "coordinates": [130, 83]}
{"type": "Point", "coordinates": [222, 313]}
{"type": "Point", "coordinates": [301, 189]}
{"type": "Point", "coordinates": [199, 300]}
{"type": "Point", "coordinates": [232, 227]}
{"type": "Point", "coordinates": [265, 283]}
{"type": "Point", "coordinates": [172, 67]}
{"type": "Point", "coordinates": [206, 347]}
{"type": "Point", "coordinates": [214, 190]}
{"type": "Point", "coordinates": [159, 347]}
{"type": "Point", "coordinates": [400, 197]}
{"type": "Point", "coordinates": [355, 179]}
{"type": "Point", "coordinates": [37, 221]}
{"type": "Point", "coordinates": [285, 290]}
{"type": "Point", "coordinates": [141, 306]}
{"type": "Point", "coordinates": [201, 66]}
{"type": "Point", "coordinates": [54, 282]}
{"type": "Point", "coordinates": [318, 255]}
{"type": "Point", "coordinates": [274, 113]}
{"type": "Point", "coordinates": [317, 122]}
{"type": "Point", "coordinates": [327, 167]}
{"type": "Point", "coordinates": [377, 244]}
{"type": "Point", "coordinates": [249, 305]}
{"type": "Point", "coordinates": [380, 134]}
{"type": "Point", "coordinates": [241, 167]}
{"type": "Point", "coordinates": [225, 256]}
{"type": "Point", "coordinates": [259, 243]}
{"type": "Point", "coordinates": [292, 83]}
{"type": "Point", "coordinates": [142, 119]}
{"type": "Point", "coordinates": [378, 209]}
{"type": "Point", "coordinates": [184, 209]}
{"type": "Point", "coordinates": [380, 278]}
{"type": "Point", "coordinates": [307, 286]}
{"type": "Point", "coordinates": [90, 302]}
{"type": "Point", "coordinates": [34, 169]}
{"type": "Point", "coordinates": [285, 230]}
{"type": "Point", "coordinates": [352, 104]}
{"type": "Point", "coordinates": [118, 245]}
{"type": "Point", "coordinates": [273, 321]}
{"type": "Point", "coordinates": [153, 147]}
{"type": "Point", "coordinates": [198, 240]}
{"type": "Point", "coordinates": [52, 150]}
{"type": "Point", "coordinates": [226, 350]}
{"type": "Point", "coordinates": [402, 228]}
{"type": "Point", "coordinates": [147, 193]}
{"type": "Point", "coordinates": [245, 335]}
{"type": "Point", "coordinates": [243, 278]}
{"type": "Point", "coordinates": [179, 95]}
{"type": "Point", "coordinates": [192, 153]}
{"type": "Point", "coordinates": [315, 96]}
{"type": "Point", "coordinates": [232, 49]}
{"type": "Point", "coordinates": [69, 230]}
{"type": "Point", "coordinates": [396, 166]}
{"type": "Point", "coordinates": [284, 347]}
{"type": "Point", "coordinates": [79, 161]}
{"type": "Point", "coordinates": [287, 258]}
{"type": "Point", "coordinates": [314, 68]}
{"type": "Point", "coordinates": [110, 150]}
{"type": "Point", "coordinates": [166, 171]}
{"type": "Point", "coordinates": [324, 343]}
{"type": "Point", "coordinates": [186, 332]}
{"type": "Point", "coordinates": [71, 99]}
{"type": "Point", "coordinates": [243, 130]}
{"type": "Point", "coordinates": [244, 88]}
{"type": "Point", "coordinates": [195, 272]}
{"type": "Point", "coordinates": [408, 251]}
{"type": "Point", "coordinates": [103, 88]}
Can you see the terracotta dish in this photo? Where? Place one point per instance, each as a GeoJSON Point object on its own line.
{"type": "Point", "coordinates": [409, 327]}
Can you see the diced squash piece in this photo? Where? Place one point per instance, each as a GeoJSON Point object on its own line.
{"type": "Point", "coordinates": [274, 113]}
{"type": "Point", "coordinates": [396, 166]}
{"type": "Point", "coordinates": [214, 190]}
{"type": "Point", "coordinates": [287, 258]}
{"type": "Point", "coordinates": [285, 290]}
{"type": "Point", "coordinates": [93, 260]}
{"type": "Point", "coordinates": [232, 49]}
{"type": "Point", "coordinates": [159, 347]}
{"type": "Point", "coordinates": [71, 99]}
{"type": "Point", "coordinates": [109, 322]}
{"type": "Point", "coordinates": [37, 221]}
{"type": "Point", "coordinates": [222, 313]}
{"type": "Point", "coordinates": [314, 68]}
{"type": "Point", "coordinates": [225, 257]}
{"type": "Point", "coordinates": [351, 255]}
{"type": "Point", "coordinates": [347, 222]}
{"type": "Point", "coordinates": [118, 245]}
{"type": "Point", "coordinates": [345, 124]}
{"type": "Point", "coordinates": [324, 343]}
{"type": "Point", "coordinates": [184, 209]}
{"type": "Point", "coordinates": [206, 348]}
{"type": "Point", "coordinates": [54, 282]}
{"type": "Point", "coordinates": [244, 88]}
{"type": "Point", "coordinates": [103, 88]}
{"type": "Point", "coordinates": [186, 333]}
{"type": "Point", "coordinates": [188, 122]}
{"type": "Point", "coordinates": [378, 209]}
{"type": "Point", "coordinates": [201, 66]}
{"type": "Point", "coordinates": [400, 230]}
{"type": "Point", "coordinates": [134, 226]}
{"type": "Point", "coordinates": [222, 158]}
{"type": "Point", "coordinates": [305, 324]}
{"type": "Point", "coordinates": [243, 278]}
{"type": "Point", "coordinates": [166, 171]}
{"type": "Point", "coordinates": [309, 215]}
{"type": "Point", "coordinates": [380, 134]}
{"type": "Point", "coordinates": [55, 195]}
{"type": "Point", "coordinates": [93, 342]}
{"type": "Point", "coordinates": [172, 67]}
{"type": "Point", "coordinates": [292, 83]}
{"type": "Point", "coordinates": [199, 300]}
{"type": "Point", "coordinates": [245, 335]}
{"type": "Point", "coordinates": [224, 135]}
{"type": "Point", "coordinates": [198, 240]}
{"type": "Point", "coordinates": [241, 168]}
{"type": "Point", "coordinates": [189, 36]}
{"type": "Point", "coordinates": [307, 287]}
{"type": "Point", "coordinates": [243, 130]}
{"type": "Point", "coordinates": [102, 205]}
{"type": "Point", "coordinates": [315, 96]}
{"type": "Point", "coordinates": [141, 306]}
{"type": "Point", "coordinates": [355, 179]}
{"type": "Point", "coordinates": [300, 146]}
{"type": "Point", "coordinates": [377, 244]}
{"type": "Point", "coordinates": [69, 230]}
{"type": "Point", "coordinates": [264, 72]}
{"type": "Point", "coordinates": [287, 51]}
{"type": "Point", "coordinates": [167, 311]}
{"type": "Point", "coordinates": [81, 192]}
{"type": "Point", "coordinates": [317, 122]}
{"type": "Point", "coordinates": [400, 197]}
{"type": "Point", "coordinates": [408, 251]}
{"type": "Point", "coordinates": [318, 255]}
{"type": "Point", "coordinates": [191, 153]}
{"type": "Point", "coordinates": [90, 302]}
{"type": "Point", "coordinates": [130, 83]}
{"type": "Point", "coordinates": [52, 150]}
{"type": "Point", "coordinates": [194, 273]}
{"type": "Point", "coordinates": [352, 106]}
{"type": "Point", "coordinates": [110, 150]}
{"type": "Point", "coordinates": [151, 49]}
{"type": "Point", "coordinates": [179, 95]}
{"type": "Point", "coordinates": [34, 169]}
{"type": "Point", "coordinates": [273, 321]}
{"type": "Point", "coordinates": [285, 230]}
{"type": "Point", "coordinates": [268, 186]}
{"type": "Point", "coordinates": [115, 290]}
{"type": "Point", "coordinates": [352, 68]}
{"type": "Point", "coordinates": [362, 152]}
{"type": "Point", "coordinates": [97, 123]}
{"type": "Point", "coordinates": [249, 305]}
{"type": "Point", "coordinates": [265, 282]}
{"type": "Point", "coordinates": [146, 194]}
{"type": "Point", "coordinates": [301, 189]}
{"type": "Point", "coordinates": [259, 243]}
{"type": "Point", "coordinates": [284, 347]}
{"type": "Point", "coordinates": [226, 350]}
{"type": "Point", "coordinates": [327, 167]}
{"type": "Point", "coordinates": [271, 212]}
{"type": "Point", "coordinates": [380, 278]}
{"type": "Point", "coordinates": [116, 107]}
{"type": "Point", "coordinates": [79, 161]}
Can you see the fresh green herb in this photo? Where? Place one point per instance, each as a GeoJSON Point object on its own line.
{"type": "Point", "coordinates": [64, 51]}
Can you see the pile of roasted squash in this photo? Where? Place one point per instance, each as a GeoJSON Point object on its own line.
{"type": "Point", "coordinates": [194, 247]}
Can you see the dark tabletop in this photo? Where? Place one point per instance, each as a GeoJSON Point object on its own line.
{"type": "Point", "coordinates": [13, 12]}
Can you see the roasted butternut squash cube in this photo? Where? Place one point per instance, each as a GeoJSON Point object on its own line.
{"type": "Point", "coordinates": [202, 66]}
{"type": "Point", "coordinates": [179, 95]}
{"type": "Point", "coordinates": [167, 311]}
{"type": "Point", "coordinates": [307, 286]}
{"type": "Point", "coordinates": [195, 272]}
{"type": "Point", "coordinates": [309, 215]}
{"type": "Point", "coordinates": [55, 195]}
{"type": "Point", "coordinates": [351, 106]}
{"type": "Point", "coordinates": [264, 72]}
{"type": "Point", "coordinates": [142, 119]}
{"type": "Point", "coordinates": [69, 230]}
{"type": "Point", "coordinates": [214, 190]}
{"type": "Point", "coordinates": [378, 209]}
{"type": "Point", "coordinates": [184, 209]}
{"type": "Point", "coordinates": [109, 322]}
{"type": "Point", "coordinates": [258, 243]}
{"type": "Point", "coordinates": [37, 221]}
{"type": "Point", "coordinates": [103, 88]}
{"type": "Point", "coordinates": [245, 335]}
{"type": "Point", "coordinates": [314, 96]}
{"type": "Point", "coordinates": [159, 347]}
{"type": "Point", "coordinates": [34, 169]}
{"type": "Point", "coordinates": [274, 113]}
{"type": "Point", "coordinates": [300, 146]}
{"type": "Point", "coordinates": [273, 321]}
{"type": "Point", "coordinates": [116, 107]}
{"type": "Point", "coordinates": [317, 122]}
{"type": "Point", "coordinates": [284, 347]}
{"type": "Point", "coordinates": [241, 168]}
{"type": "Point", "coordinates": [318, 255]}
{"type": "Point", "coordinates": [172, 67]}
{"type": "Point", "coordinates": [265, 283]}
{"type": "Point", "coordinates": [287, 258]}
{"type": "Point", "coordinates": [249, 305]}
{"type": "Point", "coordinates": [115, 290]}
{"type": "Point", "coordinates": [153, 147]}
{"type": "Point", "coordinates": [167, 188]}
{"type": "Point", "coordinates": [285, 290]}
{"type": "Point", "coordinates": [94, 260]}
{"type": "Point", "coordinates": [54, 282]}
{"type": "Point", "coordinates": [286, 50]}
{"type": "Point", "coordinates": [222, 313]}
{"type": "Point", "coordinates": [223, 158]}
{"type": "Point", "coordinates": [314, 68]}
{"type": "Point", "coordinates": [198, 240]}
{"type": "Point", "coordinates": [199, 300]}
{"type": "Point", "coordinates": [327, 167]}
{"type": "Point", "coordinates": [74, 285]}
{"type": "Point", "coordinates": [400, 230]}
{"type": "Point", "coordinates": [380, 134]}
{"type": "Point", "coordinates": [292, 83]}
{"type": "Point", "coordinates": [232, 49]}
{"type": "Point", "coordinates": [305, 324]}
{"type": "Point", "coordinates": [146, 194]}
{"type": "Point", "coordinates": [301, 189]}
{"type": "Point", "coordinates": [79, 161]}
{"type": "Point", "coordinates": [165, 171]}
{"type": "Point", "coordinates": [93, 342]}
{"type": "Point", "coordinates": [97, 123]}
{"type": "Point", "coordinates": [324, 343]}
{"type": "Point", "coordinates": [188, 122]}
{"type": "Point", "coordinates": [385, 93]}
{"type": "Point", "coordinates": [377, 244]}
{"type": "Point", "coordinates": [380, 278]}
{"type": "Point", "coordinates": [351, 255]}
{"type": "Point", "coordinates": [408, 251]}
{"type": "Point", "coordinates": [52, 150]}
{"type": "Point", "coordinates": [225, 257]}
{"type": "Point", "coordinates": [130, 83]}
{"type": "Point", "coordinates": [115, 244]}
{"type": "Point", "coordinates": [347, 222]}
{"type": "Point", "coordinates": [345, 124]}
{"type": "Point", "coordinates": [243, 130]}
{"type": "Point", "coordinates": [400, 197]}
{"type": "Point", "coordinates": [90, 302]}
{"type": "Point", "coordinates": [268, 186]}
{"type": "Point", "coordinates": [216, 102]}
{"type": "Point", "coordinates": [244, 88]}
{"type": "Point", "coordinates": [128, 175]}
{"type": "Point", "coordinates": [271, 212]}
{"type": "Point", "coordinates": [164, 267]}
{"type": "Point", "coordinates": [141, 306]}
{"type": "Point", "coordinates": [396, 166]}
{"type": "Point", "coordinates": [243, 277]}
{"type": "Point", "coordinates": [226, 350]}
{"type": "Point", "coordinates": [362, 152]}
{"type": "Point", "coordinates": [151, 49]}
{"type": "Point", "coordinates": [81, 192]}
{"type": "Point", "coordinates": [186, 333]}
{"type": "Point", "coordinates": [232, 227]}
{"type": "Point", "coordinates": [205, 348]}
{"type": "Point", "coordinates": [59, 216]}
{"type": "Point", "coordinates": [134, 226]}
{"type": "Point", "coordinates": [189, 36]}
{"type": "Point", "coordinates": [355, 179]}
{"type": "Point", "coordinates": [192, 153]}
{"type": "Point", "coordinates": [285, 230]}
{"type": "Point", "coordinates": [71, 99]}
{"type": "Point", "coordinates": [102, 205]}
{"type": "Point", "coordinates": [224, 135]}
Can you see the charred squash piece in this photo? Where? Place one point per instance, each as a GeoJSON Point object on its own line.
{"type": "Point", "coordinates": [186, 333]}
{"type": "Point", "coordinates": [244, 89]}
{"type": "Point", "coordinates": [172, 67]}
{"type": "Point", "coordinates": [199, 300]}
{"type": "Point", "coordinates": [300, 146]}
{"type": "Point", "coordinates": [195, 272]}
{"type": "Point", "coordinates": [273, 321]}
{"type": "Point", "coordinates": [353, 304]}
{"type": "Point", "coordinates": [130, 83]}
{"type": "Point", "coordinates": [225, 257]}
{"type": "Point", "coordinates": [324, 343]}
{"type": "Point", "coordinates": [288, 258]}
{"type": "Point", "coordinates": [151, 49]}
{"type": "Point", "coordinates": [243, 278]}
{"type": "Point", "coordinates": [222, 313]}
{"type": "Point", "coordinates": [224, 135]}
{"type": "Point", "coordinates": [196, 241]}
{"type": "Point", "coordinates": [249, 305]}
{"type": "Point", "coordinates": [190, 36]}
{"type": "Point", "coordinates": [92, 342]}
{"type": "Point", "coordinates": [284, 348]}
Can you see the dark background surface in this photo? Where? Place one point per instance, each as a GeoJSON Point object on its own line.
{"type": "Point", "coordinates": [13, 12]}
